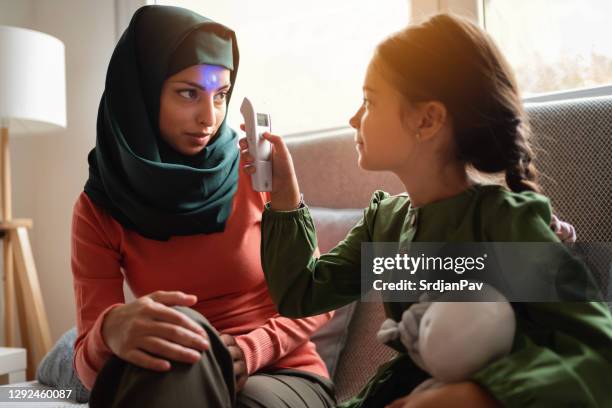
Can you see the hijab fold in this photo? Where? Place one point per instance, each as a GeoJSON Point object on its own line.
{"type": "Point", "coordinates": [134, 174]}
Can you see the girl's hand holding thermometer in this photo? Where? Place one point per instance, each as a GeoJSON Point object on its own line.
{"type": "Point", "coordinates": [255, 124]}
{"type": "Point", "coordinates": [285, 194]}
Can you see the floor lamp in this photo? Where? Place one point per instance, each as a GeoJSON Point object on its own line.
{"type": "Point", "coordinates": [32, 100]}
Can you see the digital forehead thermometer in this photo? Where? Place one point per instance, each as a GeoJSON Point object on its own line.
{"type": "Point", "coordinates": [255, 125]}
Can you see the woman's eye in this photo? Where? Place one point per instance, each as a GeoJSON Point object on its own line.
{"type": "Point", "coordinates": [366, 102]}
{"type": "Point", "coordinates": [188, 93]}
{"type": "Point", "coordinates": [220, 97]}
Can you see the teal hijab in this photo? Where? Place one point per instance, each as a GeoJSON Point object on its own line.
{"type": "Point", "coordinates": [137, 177]}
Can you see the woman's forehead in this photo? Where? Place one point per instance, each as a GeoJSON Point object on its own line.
{"type": "Point", "coordinates": [209, 76]}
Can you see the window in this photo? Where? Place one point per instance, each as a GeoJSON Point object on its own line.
{"type": "Point", "coordinates": [302, 62]}
{"type": "Point", "coordinates": [553, 45]}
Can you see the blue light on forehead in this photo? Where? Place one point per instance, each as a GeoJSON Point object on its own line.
{"type": "Point", "coordinates": [211, 75]}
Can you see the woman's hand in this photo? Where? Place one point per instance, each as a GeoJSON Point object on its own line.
{"type": "Point", "coordinates": [285, 193]}
{"type": "Point", "coordinates": [465, 394]}
{"type": "Point", "coordinates": [240, 372]}
{"type": "Point", "coordinates": [148, 332]}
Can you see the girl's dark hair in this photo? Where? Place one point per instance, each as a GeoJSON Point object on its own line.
{"type": "Point", "coordinates": [451, 60]}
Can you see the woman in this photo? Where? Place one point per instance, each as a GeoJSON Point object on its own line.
{"type": "Point", "coordinates": [166, 209]}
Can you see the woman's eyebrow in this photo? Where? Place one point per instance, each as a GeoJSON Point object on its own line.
{"type": "Point", "coordinates": [195, 84]}
{"type": "Point", "coordinates": [367, 88]}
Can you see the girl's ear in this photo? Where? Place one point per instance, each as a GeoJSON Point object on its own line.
{"type": "Point", "coordinates": [433, 118]}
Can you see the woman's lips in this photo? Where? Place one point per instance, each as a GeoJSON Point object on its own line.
{"type": "Point", "coordinates": [199, 138]}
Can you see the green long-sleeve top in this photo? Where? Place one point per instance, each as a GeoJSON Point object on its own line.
{"type": "Point", "coordinates": [562, 352]}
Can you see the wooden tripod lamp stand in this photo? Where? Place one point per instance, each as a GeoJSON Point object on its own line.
{"type": "Point", "coordinates": [32, 100]}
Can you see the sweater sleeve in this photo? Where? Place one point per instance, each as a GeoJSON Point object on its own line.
{"type": "Point", "coordinates": [562, 353]}
{"type": "Point", "coordinates": [300, 283]}
{"type": "Point", "coordinates": [278, 337]}
{"type": "Point", "coordinates": [98, 286]}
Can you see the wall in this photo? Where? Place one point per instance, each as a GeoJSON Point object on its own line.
{"type": "Point", "coordinates": [49, 171]}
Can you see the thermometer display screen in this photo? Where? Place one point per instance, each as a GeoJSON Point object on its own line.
{"type": "Point", "coordinates": [262, 119]}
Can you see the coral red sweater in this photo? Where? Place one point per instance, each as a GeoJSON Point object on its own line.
{"type": "Point", "coordinates": [223, 270]}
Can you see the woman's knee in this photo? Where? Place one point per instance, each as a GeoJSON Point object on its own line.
{"type": "Point", "coordinates": [214, 368]}
{"type": "Point", "coordinates": [194, 315]}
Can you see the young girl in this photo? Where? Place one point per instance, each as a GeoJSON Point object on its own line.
{"type": "Point", "coordinates": [440, 99]}
{"type": "Point", "coordinates": [166, 208]}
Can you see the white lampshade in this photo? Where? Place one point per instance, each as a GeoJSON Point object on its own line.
{"type": "Point", "coordinates": [32, 81]}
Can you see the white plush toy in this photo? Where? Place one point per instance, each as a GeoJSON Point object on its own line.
{"type": "Point", "coordinates": [453, 340]}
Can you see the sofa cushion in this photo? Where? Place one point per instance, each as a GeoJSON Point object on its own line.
{"type": "Point", "coordinates": [56, 369]}
{"type": "Point", "coordinates": [573, 141]}
{"type": "Point", "coordinates": [332, 226]}
{"type": "Point", "coordinates": [363, 353]}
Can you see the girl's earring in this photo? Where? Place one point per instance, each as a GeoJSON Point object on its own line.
{"type": "Point", "coordinates": [418, 135]}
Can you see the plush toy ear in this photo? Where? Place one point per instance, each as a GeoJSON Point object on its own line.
{"type": "Point", "coordinates": [456, 339]}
